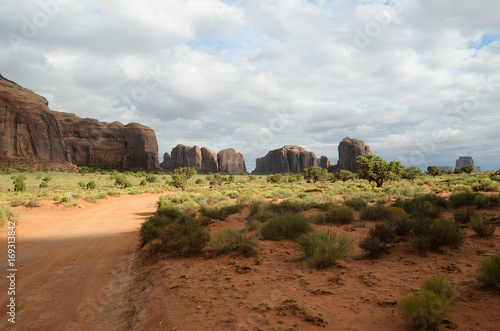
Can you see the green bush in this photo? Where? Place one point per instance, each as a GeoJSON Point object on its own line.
{"type": "Point", "coordinates": [460, 199]}
{"type": "Point", "coordinates": [276, 178]}
{"type": "Point", "coordinates": [82, 185]}
{"type": "Point", "coordinates": [342, 215]}
{"type": "Point", "coordinates": [199, 181]}
{"type": "Point", "coordinates": [445, 233]}
{"type": "Point", "coordinates": [358, 203]}
{"type": "Point", "coordinates": [143, 183]}
{"type": "Point", "coordinates": [481, 226]}
{"type": "Point", "coordinates": [91, 185]}
{"type": "Point", "coordinates": [487, 201]}
{"type": "Point", "coordinates": [324, 248]}
{"type": "Point", "coordinates": [7, 214]}
{"type": "Point", "coordinates": [374, 213]}
{"type": "Point", "coordinates": [285, 226]}
{"type": "Point", "coordinates": [485, 184]}
{"type": "Point", "coordinates": [19, 184]}
{"type": "Point", "coordinates": [233, 240]}
{"type": "Point", "coordinates": [424, 309]}
{"type": "Point", "coordinates": [372, 246]}
{"type": "Point", "coordinates": [441, 286]}
{"type": "Point", "coordinates": [17, 201]}
{"type": "Point", "coordinates": [219, 212]}
{"type": "Point", "coordinates": [43, 185]}
{"type": "Point", "coordinates": [183, 238]}
{"type": "Point", "coordinates": [424, 205]}
{"type": "Point", "coordinates": [464, 216]}
{"type": "Point", "coordinates": [401, 226]}
{"type": "Point", "coordinates": [384, 232]}
{"type": "Point", "coordinates": [490, 272]}
{"type": "Point", "coordinates": [151, 179]}
{"type": "Point", "coordinates": [396, 213]}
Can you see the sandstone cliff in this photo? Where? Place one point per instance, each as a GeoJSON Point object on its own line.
{"type": "Point", "coordinates": [463, 161]}
{"type": "Point", "coordinates": [349, 150]}
{"type": "Point", "coordinates": [89, 142]}
{"type": "Point", "coordinates": [29, 130]}
{"type": "Point", "coordinates": [288, 159]}
{"type": "Point", "coordinates": [202, 159]}
{"type": "Point", "coordinates": [32, 133]}
{"type": "Point", "coordinates": [231, 162]}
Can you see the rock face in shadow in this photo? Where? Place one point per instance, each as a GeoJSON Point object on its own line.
{"type": "Point", "coordinates": [29, 130]}
{"type": "Point", "coordinates": [231, 162]}
{"type": "Point", "coordinates": [113, 145]}
{"type": "Point", "coordinates": [463, 161]}
{"type": "Point", "coordinates": [349, 150]}
{"type": "Point", "coordinates": [32, 133]}
{"type": "Point", "coordinates": [202, 159]}
{"type": "Point", "coordinates": [288, 159]}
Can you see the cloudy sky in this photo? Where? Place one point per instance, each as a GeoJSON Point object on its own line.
{"type": "Point", "coordinates": [418, 81]}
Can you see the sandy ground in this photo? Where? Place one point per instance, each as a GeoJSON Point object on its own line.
{"type": "Point", "coordinates": [71, 260]}
{"type": "Point", "coordinates": [81, 269]}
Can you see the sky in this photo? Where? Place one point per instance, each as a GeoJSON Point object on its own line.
{"type": "Point", "coordinates": [418, 81]}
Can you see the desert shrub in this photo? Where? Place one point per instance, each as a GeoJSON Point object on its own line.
{"type": "Point", "coordinates": [481, 226]}
{"type": "Point", "coordinates": [460, 188]}
{"type": "Point", "coordinates": [374, 213]}
{"type": "Point", "coordinates": [372, 246]}
{"type": "Point", "coordinates": [290, 206]}
{"type": "Point", "coordinates": [101, 196]}
{"type": "Point", "coordinates": [445, 233]}
{"type": "Point", "coordinates": [233, 240]}
{"type": "Point", "coordinates": [151, 179]}
{"type": "Point", "coordinates": [342, 215]}
{"type": "Point", "coordinates": [401, 226]}
{"type": "Point", "coordinates": [464, 216]}
{"type": "Point", "coordinates": [485, 184]}
{"type": "Point", "coordinates": [19, 184]}
{"type": "Point", "coordinates": [441, 286]}
{"type": "Point", "coordinates": [82, 185]}
{"type": "Point", "coordinates": [33, 203]}
{"type": "Point", "coordinates": [324, 248]}
{"type": "Point", "coordinates": [16, 202]}
{"type": "Point", "coordinates": [384, 232]}
{"type": "Point", "coordinates": [294, 178]}
{"type": "Point", "coordinates": [396, 212]}
{"type": "Point", "coordinates": [7, 214]}
{"type": "Point", "coordinates": [358, 203]}
{"type": "Point", "coordinates": [220, 212]}
{"type": "Point", "coordinates": [256, 206]}
{"type": "Point", "coordinates": [91, 185]}
{"type": "Point", "coordinates": [424, 309]}
{"type": "Point", "coordinates": [183, 238]}
{"type": "Point", "coordinates": [143, 183]}
{"type": "Point", "coordinates": [128, 184]}
{"type": "Point", "coordinates": [175, 199]}
{"type": "Point", "coordinates": [285, 226]}
{"type": "Point", "coordinates": [199, 181]}
{"type": "Point", "coordinates": [276, 178]}
{"type": "Point", "coordinates": [490, 272]}
{"type": "Point", "coordinates": [43, 185]}
{"type": "Point", "coordinates": [487, 201]}
{"type": "Point", "coordinates": [424, 205]}
{"type": "Point", "coordinates": [460, 199]}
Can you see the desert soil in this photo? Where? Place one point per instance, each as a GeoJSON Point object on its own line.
{"type": "Point", "coordinates": [82, 269]}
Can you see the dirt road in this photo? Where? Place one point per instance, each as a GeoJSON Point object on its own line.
{"type": "Point", "coordinates": [71, 262]}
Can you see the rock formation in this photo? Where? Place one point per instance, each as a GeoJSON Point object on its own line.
{"type": "Point", "coordinates": [202, 159]}
{"type": "Point", "coordinates": [29, 130]}
{"type": "Point", "coordinates": [89, 142]}
{"type": "Point", "coordinates": [32, 133]}
{"type": "Point", "coordinates": [231, 162]}
{"type": "Point", "coordinates": [288, 159]}
{"type": "Point", "coordinates": [324, 163]}
{"type": "Point", "coordinates": [349, 150]}
{"type": "Point", "coordinates": [463, 161]}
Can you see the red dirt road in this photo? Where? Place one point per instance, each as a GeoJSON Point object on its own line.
{"type": "Point", "coordinates": [71, 261]}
